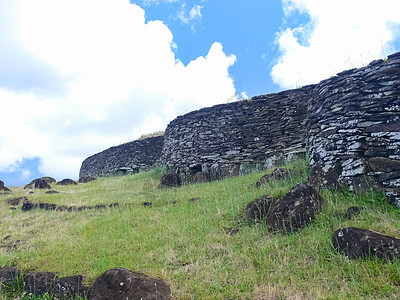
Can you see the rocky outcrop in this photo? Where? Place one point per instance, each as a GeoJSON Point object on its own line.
{"type": "Point", "coordinates": [354, 129]}
{"type": "Point", "coordinates": [3, 189]}
{"type": "Point", "coordinates": [294, 211]}
{"type": "Point", "coordinates": [67, 181]}
{"type": "Point", "coordinates": [120, 283]}
{"type": "Point", "coordinates": [237, 138]}
{"type": "Point", "coordinates": [129, 158]}
{"type": "Point", "coordinates": [362, 243]}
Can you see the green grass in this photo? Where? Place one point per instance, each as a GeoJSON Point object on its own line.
{"type": "Point", "coordinates": [186, 243]}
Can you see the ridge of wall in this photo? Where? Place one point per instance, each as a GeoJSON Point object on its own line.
{"type": "Point", "coordinates": [125, 159]}
{"type": "Point", "coordinates": [354, 129]}
{"type": "Point", "coordinates": [233, 139]}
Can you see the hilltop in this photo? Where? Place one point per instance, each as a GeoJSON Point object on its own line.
{"type": "Point", "coordinates": [198, 240]}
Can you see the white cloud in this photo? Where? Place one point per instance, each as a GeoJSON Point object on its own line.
{"type": "Point", "coordinates": [194, 16]}
{"type": "Point", "coordinates": [114, 76]}
{"type": "Point", "coordinates": [341, 35]}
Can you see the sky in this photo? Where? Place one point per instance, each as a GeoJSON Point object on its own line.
{"type": "Point", "coordinates": [80, 76]}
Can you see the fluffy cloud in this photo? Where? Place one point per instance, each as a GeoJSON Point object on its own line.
{"type": "Point", "coordinates": [340, 35]}
{"type": "Point", "coordinates": [84, 75]}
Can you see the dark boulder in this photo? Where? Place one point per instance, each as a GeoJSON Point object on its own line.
{"type": "Point", "coordinates": [120, 283]}
{"type": "Point", "coordinates": [41, 184]}
{"type": "Point", "coordinates": [296, 209]}
{"type": "Point", "coordinates": [16, 201]}
{"type": "Point", "coordinates": [62, 208]}
{"type": "Point", "coordinates": [49, 179]}
{"type": "Point", "coordinates": [39, 283]}
{"type": "Point", "coordinates": [277, 174]}
{"type": "Point", "coordinates": [8, 275]}
{"type": "Point", "coordinates": [3, 188]}
{"type": "Point", "coordinates": [170, 180]}
{"type": "Point", "coordinates": [362, 243]}
{"type": "Point", "coordinates": [67, 181]}
{"type": "Point", "coordinates": [259, 209]}
{"type": "Point", "coordinates": [28, 206]}
{"type": "Point", "coordinates": [38, 183]}
{"type": "Point", "coordinates": [86, 179]}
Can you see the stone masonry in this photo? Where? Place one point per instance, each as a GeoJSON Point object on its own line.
{"type": "Point", "coordinates": [233, 139]}
{"type": "Point", "coordinates": [129, 158]}
{"type": "Point", "coordinates": [354, 129]}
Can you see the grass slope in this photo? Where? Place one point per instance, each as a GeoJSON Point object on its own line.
{"type": "Point", "coordinates": [186, 243]}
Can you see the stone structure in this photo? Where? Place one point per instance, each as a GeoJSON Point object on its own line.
{"type": "Point", "coordinates": [348, 125]}
{"type": "Point", "coordinates": [354, 129]}
{"type": "Point", "coordinates": [129, 158]}
{"type": "Point", "coordinates": [233, 139]}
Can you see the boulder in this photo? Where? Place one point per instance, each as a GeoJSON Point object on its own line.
{"type": "Point", "coordinates": [3, 188]}
{"type": "Point", "coordinates": [363, 243]}
{"type": "Point", "coordinates": [8, 275]}
{"type": "Point", "coordinates": [86, 179]}
{"type": "Point", "coordinates": [39, 283]}
{"type": "Point", "coordinates": [120, 283]}
{"type": "Point", "coordinates": [259, 209]}
{"type": "Point", "coordinates": [16, 201]}
{"type": "Point", "coordinates": [67, 181]}
{"type": "Point", "coordinates": [49, 179]}
{"type": "Point", "coordinates": [277, 174]}
{"type": "Point", "coordinates": [170, 180]}
{"type": "Point", "coordinates": [296, 209]}
{"type": "Point", "coordinates": [38, 183]}
{"type": "Point", "coordinates": [28, 206]}
{"type": "Point", "coordinates": [41, 184]}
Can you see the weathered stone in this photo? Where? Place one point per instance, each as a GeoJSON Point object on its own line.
{"type": "Point", "coordinates": [49, 179]}
{"type": "Point", "coordinates": [41, 184]}
{"type": "Point", "coordinates": [126, 159]}
{"type": "Point", "coordinates": [277, 174]}
{"type": "Point", "coordinates": [8, 275]}
{"type": "Point", "coordinates": [16, 201]}
{"type": "Point", "coordinates": [296, 209]}
{"type": "Point", "coordinates": [362, 243]}
{"type": "Point", "coordinates": [86, 179]}
{"type": "Point", "coordinates": [67, 181]}
{"type": "Point", "coordinates": [62, 208]}
{"type": "Point", "coordinates": [120, 283]}
{"type": "Point", "coordinates": [27, 206]}
{"type": "Point", "coordinates": [39, 283]}
{"type": "Point", "coordinates": [170, 180]}
{"type": "Point", "coordinates": [383, 164]}
{"type": "Point", "coordinates": [3, 189]}
{"type": "Point", "coordinates": [259, 209]}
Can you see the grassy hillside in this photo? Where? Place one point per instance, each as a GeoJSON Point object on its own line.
{"type": "Point", "coordinates": [194, 245]}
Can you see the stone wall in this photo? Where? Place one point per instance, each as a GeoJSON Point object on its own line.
{"type": "Point", "coordinates": [233, 139]}
{"type": "Point", "coordinates": [129, 158]}
{"type": "Point", "coordinates": [354, 129]}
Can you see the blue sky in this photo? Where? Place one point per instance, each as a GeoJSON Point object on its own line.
{"type": "Point", "coordinates": [79, 76]}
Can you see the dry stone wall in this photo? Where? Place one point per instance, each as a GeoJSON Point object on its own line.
{"type": "Point", "coordinates": [129, 158]}
{"type": "Point", "coordinates": [354, 129]}
{"type": "Point", "coordinates": [235, 138]}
